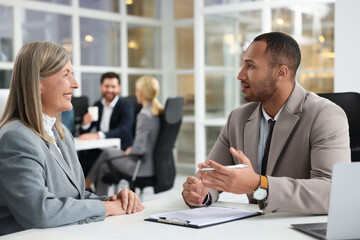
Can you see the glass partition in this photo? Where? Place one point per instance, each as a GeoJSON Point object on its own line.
{"type": "Point", "coordinates": [100, 42]}
{"type": "Point", "coordinates": [6, 34]}
{"type": "Point", "coordinates": [64, 2]}
{"type": "Point", "coordinates": [212, 134]}
{"type": "Point", "coordinates": [185, 87]}
{"type": "Point", "coordinates": [108, 5]}
{"type": "Point", "coordinates": [5, 77]}
{"type": "Point", "coordinates": [90, 86]}
{"type": "Point", "coordinates": [144, 48]}
{"type": "Point", "coordinates": [144, 8]}
{"type": "Point", "coordinates": [183, 9]}
{"type": "Point", "coordinates": [48, 27]}
{"type": "Point", "coordinates": [220, 40]}
{"type": "Point", "coordinates": [317, 47]}
{"type": "Point", "coordinates": [220, 94]}
{"type": "Point", "coordinates": [185, 143]}
{"type": "Point", "coordinates": [184, 47]}
{"type": "Point", "coordinates": [283, 20]}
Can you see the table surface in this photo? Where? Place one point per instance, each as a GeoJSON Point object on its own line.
{"type": "Point", "coordinates": [98, 143]}
{"type": "Point", "coordinates": [269, 226]}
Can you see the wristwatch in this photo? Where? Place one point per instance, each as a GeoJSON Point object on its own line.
{"type": "Point", "coordinates": [262, 191]}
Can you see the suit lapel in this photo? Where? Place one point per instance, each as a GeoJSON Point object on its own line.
{"type": "Point", "coordinates": [251, 137]}
{"type": "Point", "coordinates": [64, 160]}
{"type": "Point", "coordinates": [285, 126]}
{"type": "Point", "coordinates": [281, 135]}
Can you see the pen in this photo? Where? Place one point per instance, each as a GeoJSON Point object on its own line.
{"type": "Point", "coordinates": [230, 166]}
{"type": "Point", "coordinates": [173, 221]}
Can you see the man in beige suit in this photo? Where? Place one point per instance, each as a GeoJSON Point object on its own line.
{"type": "Point", "coordinates": [309, 136]}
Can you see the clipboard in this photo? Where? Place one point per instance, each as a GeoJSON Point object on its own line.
{"type": "Point", "coordinates": [202, 217]}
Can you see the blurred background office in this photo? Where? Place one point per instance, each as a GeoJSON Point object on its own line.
{"type": "Point", "coordinates": [193, 47]}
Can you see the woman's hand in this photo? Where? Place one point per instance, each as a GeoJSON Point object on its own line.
{"type": "Point", "coordinates": [126, 201]}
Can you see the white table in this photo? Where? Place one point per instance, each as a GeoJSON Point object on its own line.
{"type": "Point", "coordinates": [94, 144]}
{"type": "Point", "coordinates": [269, 226]}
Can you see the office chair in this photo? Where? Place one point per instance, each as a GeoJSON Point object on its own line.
{"type": "Point", "coordinates": [163, 154]}
{"type": "Point", "coordinates": [350, 103]}
{"type": "Point", "coordinates": [80, 105]}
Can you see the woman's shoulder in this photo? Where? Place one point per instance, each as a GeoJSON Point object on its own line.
{"type": "Point", "coordinates": [16, 128]}
{"type": "Point", "coordinates": [145, 112]}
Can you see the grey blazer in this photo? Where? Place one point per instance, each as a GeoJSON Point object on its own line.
{"type": "Point", "coordinates": [310, 136]}
{"type": "Point", "coordinates": [147, 131]}
{"type": "Point", "coordinates": [38, 187]}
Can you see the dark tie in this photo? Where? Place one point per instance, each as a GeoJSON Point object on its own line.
{"type": "Point", "coordinates": [267, 147]}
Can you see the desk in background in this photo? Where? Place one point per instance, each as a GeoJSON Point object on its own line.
{"type": "Point", "coordinates": [269, 226]}
{"type": "Point", "coordinates": [94, 144]}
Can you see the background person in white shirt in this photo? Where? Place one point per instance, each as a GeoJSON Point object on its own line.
{"type": "Point", "coordinates": [116, 118]}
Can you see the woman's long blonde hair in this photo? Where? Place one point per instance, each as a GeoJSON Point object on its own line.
{"type": "Point", "coordinates": [35, 60]}
{"type": "Point", "coordinates": [150, 89]}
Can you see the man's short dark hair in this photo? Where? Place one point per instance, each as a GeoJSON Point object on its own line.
{"type": "Point", "coordinates": [110, 75]}
{"type": "Point", "coordinates": [282, 49]}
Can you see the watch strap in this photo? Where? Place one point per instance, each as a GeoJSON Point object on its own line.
{"type": "Point", "coordinates": [264, 182]}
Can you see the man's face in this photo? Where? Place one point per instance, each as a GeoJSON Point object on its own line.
{"type": "Point", "coordinates": [257, 79]}
{"type": "Point", "coordinates": [110, 88]}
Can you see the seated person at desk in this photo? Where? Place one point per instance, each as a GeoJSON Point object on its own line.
{"type": "Point", "coordinates": [147, 130]}
{"type": "Point", "coordinates": [41, 181]}
{"type": "Point", "coordinates": [310, 135]}
{"type": "Point", "coordinates": [116, 118]}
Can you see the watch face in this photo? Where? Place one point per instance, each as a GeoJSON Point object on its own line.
{"type": "Point", "coordinates": [260, 194]}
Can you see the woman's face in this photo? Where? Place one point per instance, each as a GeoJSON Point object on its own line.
{"type": "Point", "coordinates": [56, 91]}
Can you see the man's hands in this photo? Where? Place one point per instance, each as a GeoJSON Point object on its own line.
{"type": "Point", "coordinates": [87, 119]}
{"type": "Point", "coordinates": [126, 201]}
{"type": "Point", "coordinates": [194, 191]}
{"type": "Point", "coordinates": [225, 179]}
{"type": "Point", "coordinates": [238, 181]}
{"type": "Point", "coordinates": [89, 136]}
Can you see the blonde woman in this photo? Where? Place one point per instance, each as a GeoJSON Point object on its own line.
{"type": "Point", "coordinates": [41, 180]}
{"type": "Point", "coordinates": [147, 130]}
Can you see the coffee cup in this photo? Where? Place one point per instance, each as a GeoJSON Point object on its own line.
{"type": "Point", "coordinates": [94, 113]}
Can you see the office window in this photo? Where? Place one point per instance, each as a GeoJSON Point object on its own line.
{"type": "Point", "coordinates": [183, 9]}
{"type": "Point", "coordinates": [90, 86]}
{"type": "Point", "coordinates": [249, 28]}
{"type": "Point", "coordinates": [185, 87]}
{"type": "Point", "coordinates": [64, 2]}
{"type": "Point", "coordinates": [184, 47]}
{"type": "Point", "coordinates": [5, 77]}
{"type": "Point", "coordinates": [316, 71]}
{"type": "Point", "coordinates": [100, 42]}
{"type": "Point", "coordinates": [283, 20]}
{"type": "Point", "coordinates": [185, 144]}
{"type": "Point", "coordinates": [212, 134]}
{"type": "Point", "coordinates": [48, 27]}
{"type": "Point", "coordinates": [220, 40]}
{"type": "Point", "coordinates": [216, 2]}
{"type": "Point", "coordinates": [6, 34]}
{"type": "Point", "coordinates": [144, 8]}
{"type": "Point", "coordinates": [220, 94]}
{"type": "Point", "coordinates": [132, 82]}
{"type": "Point", "coordinates": [108, 5]}
{"type": "Point", "coordinates": [144, 46]}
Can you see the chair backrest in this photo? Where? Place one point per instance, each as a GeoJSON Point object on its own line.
{"type": "Point", "coordinates": [80, 106]}
{"type": "Point", "coordinates": [163, 155]}
{"type": "Point", "coordinates": [4, 93]}
{"type": "Point", "coordinates": [137, 107]}
{"type": "Point", "coordinates": [350, 103]}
